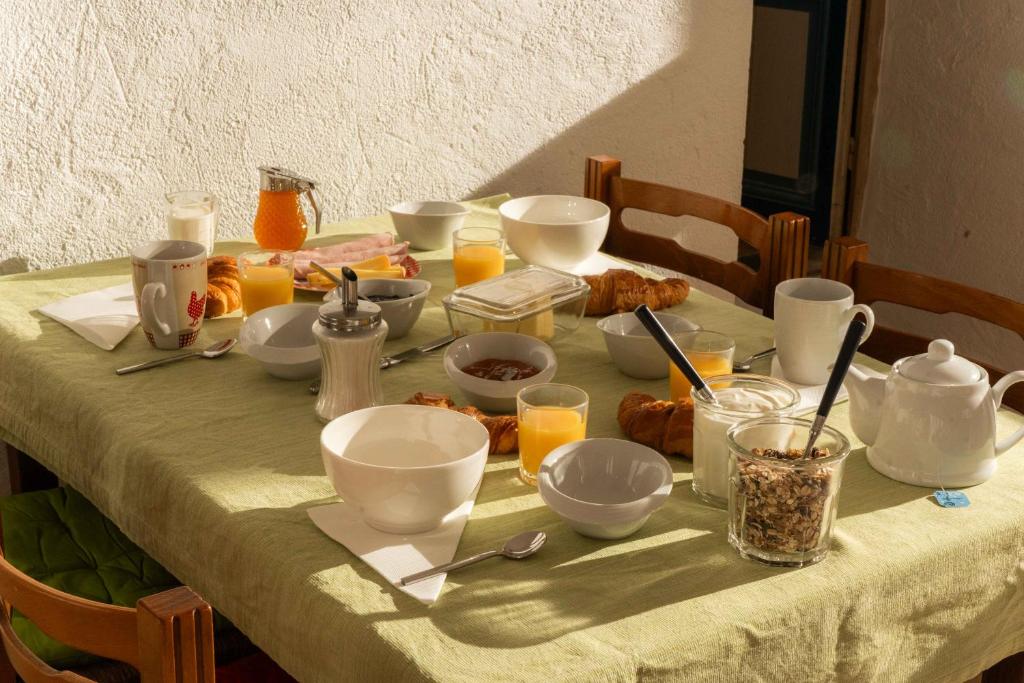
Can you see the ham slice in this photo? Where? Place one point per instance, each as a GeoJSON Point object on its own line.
{"type": "Point", "coordinates": [350, 252]}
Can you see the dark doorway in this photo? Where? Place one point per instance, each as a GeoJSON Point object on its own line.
{"type": "Point", "coordinates": [796, 78]}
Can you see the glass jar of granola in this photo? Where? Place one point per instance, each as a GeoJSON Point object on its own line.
{"type": "Point", "coordinates": [782, 505]}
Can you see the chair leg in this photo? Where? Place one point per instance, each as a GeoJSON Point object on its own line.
{"type": "Point", "coordinates": [24, 473]}
{"type": "Point", "coordinates": [7, 673]}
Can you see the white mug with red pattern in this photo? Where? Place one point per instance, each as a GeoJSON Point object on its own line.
{"type": "Point", "coordinates": [169, 277]}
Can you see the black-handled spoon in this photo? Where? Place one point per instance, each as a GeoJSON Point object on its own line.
{"type": "Point", "coordinates": [675, 354]}
{"type": "Point", "coordinates": [835, 380]}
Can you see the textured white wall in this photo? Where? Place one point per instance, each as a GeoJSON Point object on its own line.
{"type": "Point", "coordinates": [109, 103]}
{"type": "Point", "coordinates": [944, 193]}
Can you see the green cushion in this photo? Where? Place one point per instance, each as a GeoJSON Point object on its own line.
{"type": "Point", "coordinates": [59, 538]}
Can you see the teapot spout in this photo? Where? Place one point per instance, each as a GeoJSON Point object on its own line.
{"type": "Point", "coordinates": [866, 388]}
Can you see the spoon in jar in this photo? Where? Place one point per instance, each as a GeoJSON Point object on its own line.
{"type": "Point", "coordinates": [675, 354]}
{"type": "Point", "coordinates": [835, 380]}
{"type": "Point", "coordinates": [212, 351]}
{"type": "Point", "coordinates": [515, 548]}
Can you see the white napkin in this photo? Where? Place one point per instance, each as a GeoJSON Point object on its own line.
{"type": "Point", "coordinates": [104, 317]}
{"type": "Point", "coordinates": [810, 394]}
{"type": "Point", "coordinates": [394, 556]}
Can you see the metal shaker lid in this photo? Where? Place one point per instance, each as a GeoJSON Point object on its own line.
{"type": "Point", "coordinates": [277, 179]}
{"type": "Point", "coordinates": [348, 313]}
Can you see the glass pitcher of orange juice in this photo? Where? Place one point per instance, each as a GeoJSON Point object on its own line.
{"type": "Point", "coordinates": [280, 221]}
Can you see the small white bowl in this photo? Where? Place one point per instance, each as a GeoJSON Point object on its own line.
{"type": "Point", "coordinates": [400, 314]}
{"type": "Point", "coordinates": [557, 231]}
{"type": "Point", "coordinates": [428, 225]}
{"type": "Point", "coordinates": [281, 339]}
{"type": "Point", "coordinates": [405, 467]}
{"type": "Point", "coordinates": [604, 488]}
{"type": "Point", "coordinates": [493, 395]}
{"type": "Point", "coordinates": [633, 349]}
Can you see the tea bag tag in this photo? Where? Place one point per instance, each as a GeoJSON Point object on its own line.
{"type": "Point", "coordinates": [951, 499]}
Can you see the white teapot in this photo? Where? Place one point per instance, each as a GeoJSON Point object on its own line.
{"type": "Point", "coordinates": [932, 420]}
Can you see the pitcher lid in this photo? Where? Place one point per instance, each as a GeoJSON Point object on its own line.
{"type": "Point", "coordinates": [940, 366]}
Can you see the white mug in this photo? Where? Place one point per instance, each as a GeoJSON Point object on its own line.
{"type": "Point", "coordinates": [811, 317]}
{"type": "Point", "coordinates": [169, 278]}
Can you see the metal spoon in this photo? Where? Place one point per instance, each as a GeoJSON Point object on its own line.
{"type": "Point", "coordinates": [674, 353]}
{"type": "Point", "coordinates": [835, 380]}
{"type": "Point", "coordinates": [515, 548]}
{"type": "Point", "coordinates": [212, 351]}
{"type": "Point", "coordinates": [745, 364]}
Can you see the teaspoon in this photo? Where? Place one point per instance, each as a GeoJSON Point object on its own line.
{"type": "Point", "coordinates": [515, 548]}
{"type": "Point", "coordinates": [213, 351]}
{"type": "Point", "coordinates": [745, 364]}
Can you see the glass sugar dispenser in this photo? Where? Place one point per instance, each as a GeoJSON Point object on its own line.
{"type": "Point", "coordinates": [350, 333]}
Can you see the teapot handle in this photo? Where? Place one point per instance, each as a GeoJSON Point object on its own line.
{"type": "Point", "coordinates": [314, 199]}
{"type": "Point", "coordinates": [998, 390]}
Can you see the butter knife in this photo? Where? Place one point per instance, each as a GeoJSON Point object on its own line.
{"type": "Point", "coordinates": [390, 361]}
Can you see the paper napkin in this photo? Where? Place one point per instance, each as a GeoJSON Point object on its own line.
{"type": "Point", "coordinates": [104, 317]}
{"type": "Point", "coordinates": [810, 395]}
{"type": "Point", "coordinates": [394, 556]}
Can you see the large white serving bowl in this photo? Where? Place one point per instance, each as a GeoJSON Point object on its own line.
{"type": "Point", "coordinates": [400, 314]}
{"type": "Point", "coordinates": [604, 488]}
{"type": "Point", "coordinates": [428, 225]}
{"type": "Point", "coordinates": [633, 349]}
{"type": "Point", "coordinates": [281, 339]}
{"type": "Point", "coordinates": [405, 467]}
{"type": "Point", "coordinates": [557, 231]}
{"type": "Point", "coordinates": [493, 395]}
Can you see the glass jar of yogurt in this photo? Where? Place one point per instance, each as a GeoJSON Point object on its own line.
{"type": "Point", "coordinates": [739, 398]}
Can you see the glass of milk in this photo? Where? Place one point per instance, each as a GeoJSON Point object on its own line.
{"type": "Point", "coordinates": [740, 398]}
{"type": "Point", "coordinates": [192, 215]}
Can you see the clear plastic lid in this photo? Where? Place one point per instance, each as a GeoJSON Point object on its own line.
{"type": "Point", "coordinates": [517, 294]}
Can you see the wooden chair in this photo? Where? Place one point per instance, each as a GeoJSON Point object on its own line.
{"type": "Point", "coordinates": [167, 637]}
{"type": "Point", "coordinates": [845, 259]}
{"type": "Point", "coordinates": [781, 240]}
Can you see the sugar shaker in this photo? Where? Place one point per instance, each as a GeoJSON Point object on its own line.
{"type": "Point", "coordinates": [350, 334]}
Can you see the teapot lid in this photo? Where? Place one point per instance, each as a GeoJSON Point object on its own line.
{"type": "Point", "coordinates": [940, 366]}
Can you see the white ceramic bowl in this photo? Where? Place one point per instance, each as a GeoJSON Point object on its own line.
{"type": "Point", "coordinates": [633, 349]}
{"type": "Point", "coordinates": [493, 395]}
{"type": "Point", "coordinates": [558, 231]}
{"type": "Point", "coordinates": [604, 488]}
{"type": "Point", "coordinates": [281, 339]}
{"type": "Point", "coordinates": [405, 467]}
{"type": "Point", "coordinates": [401, 314]}
{"type": "Point", "coordinates": [428, 225]}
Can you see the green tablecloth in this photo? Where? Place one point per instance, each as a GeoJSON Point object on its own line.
{"type": "Point", "coordinates": [211, 465]}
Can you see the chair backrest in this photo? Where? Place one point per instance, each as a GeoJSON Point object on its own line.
{"type": "Point", "coordinates": [781, 241]}
{"type": "Point", "coordinates": [168, 637]}
{"type": "Point", "coordinates": [845, 259]}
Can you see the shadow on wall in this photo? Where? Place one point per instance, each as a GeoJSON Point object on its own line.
{"type": "Point", "coordinates": [681, 125]}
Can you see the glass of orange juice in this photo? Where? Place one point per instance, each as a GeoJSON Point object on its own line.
{"type": "Point", "coordinates": [550, 415]}
{"type": "Point", "coordinates": [266, 279]}
{"type": "Point", "coordinates": [710, 353]}
{"type": "Point", "coordinates": [477, 254]}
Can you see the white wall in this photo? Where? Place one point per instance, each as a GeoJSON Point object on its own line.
{"type": "Point", "coordinates": [945, 191]}
{"type": "Point", "coordinates": [110, 103]}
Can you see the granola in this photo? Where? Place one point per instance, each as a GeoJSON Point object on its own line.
{"type": "Point", "coordinates": [778, 508]}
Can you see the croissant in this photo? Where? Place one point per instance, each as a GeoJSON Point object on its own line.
{"type": "Point", "coordinates": [223, 292]}
{"type": "Point", "coordinates": [618, 291]}
{"type": "Point", "coordinates": [503, 429]}
{"type": "Point", "coordinates": [665, 426]}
